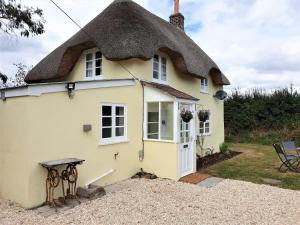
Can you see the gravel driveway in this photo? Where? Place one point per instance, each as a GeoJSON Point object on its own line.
{"type": "Point", "coordinates": [168, 202]}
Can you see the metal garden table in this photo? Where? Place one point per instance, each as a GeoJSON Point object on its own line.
{"type": "Point", "coordinates": [69, 175]}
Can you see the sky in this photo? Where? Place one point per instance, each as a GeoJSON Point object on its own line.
{"type": "Point", "coordinates": [256, 43]}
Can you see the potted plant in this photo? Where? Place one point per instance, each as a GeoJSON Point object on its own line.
{"type": "Point", "coordinates": [203, 115]}
{"type": "Point", "coordinates": [186, 115]}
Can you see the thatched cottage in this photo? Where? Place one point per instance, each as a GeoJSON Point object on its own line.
{"type": "Point", "coordinates": [119, 94]}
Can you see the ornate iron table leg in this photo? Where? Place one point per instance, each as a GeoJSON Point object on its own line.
{"type": "Point", "coordinates": [52, 181]}
{"type": "Point", "coordinates": [70, 174]}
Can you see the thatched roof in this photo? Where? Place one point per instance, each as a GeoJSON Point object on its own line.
{"type": "Point", "coordinates": [126, 30]}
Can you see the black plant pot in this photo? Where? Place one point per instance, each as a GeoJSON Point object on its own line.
{"type": "Point", "coordinates": [203, 116]}
{"type": "Point", "coordinates": [186, 119]}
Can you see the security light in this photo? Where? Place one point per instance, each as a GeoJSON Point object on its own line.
{"type": "Point", "coordinates": [70, 87]}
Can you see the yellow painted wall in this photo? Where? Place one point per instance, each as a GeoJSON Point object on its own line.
{"type": "Point", "coordinates": [36, 129]}
{"type": "Point", "coordinates": [161, 159]}
{"type": "Point", "coordinates": [143, 70]}
{"type": "Point", "coordinates": [14, 134]}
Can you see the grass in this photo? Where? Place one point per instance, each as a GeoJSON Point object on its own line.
{"type": "Point", "coordinates": [254, 164]}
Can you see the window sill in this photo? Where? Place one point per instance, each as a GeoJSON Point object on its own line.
{"type": "Point", "coordinates": [156, 140]}
{"type": "Point", "coordinates": [204, 92]}
{"type": "Point", "coordinates": [112, 142]}
{"type": "Point", "coordinates": [94, 78]}
{"type": "Point", "coordinates": [209, 134]}
{"type": "Point", "coordinates": [159, 81]}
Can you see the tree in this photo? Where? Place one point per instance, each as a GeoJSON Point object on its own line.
{"type": "Point", "coordinates": [20, 75]}
{"type": "Point", "coordinates": [14, 16]}
{"type": "Point", "coordinates": [18, 79]}
{"type": "Point", "coordinates": [3, 78]}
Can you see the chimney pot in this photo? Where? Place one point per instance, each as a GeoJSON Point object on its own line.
{"type": "Point", "coordinates": [177, 19]}
{"type": "Point", "coordinates": [176, 7]}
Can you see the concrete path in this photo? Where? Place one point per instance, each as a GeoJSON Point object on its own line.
{"type": "Point", "coordinates": [210, 182]}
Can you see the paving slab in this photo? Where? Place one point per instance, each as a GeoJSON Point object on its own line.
{"type": "Point", "coordinates": [210, 182]}
{"type": "Point", "coordinates": [271, 181]}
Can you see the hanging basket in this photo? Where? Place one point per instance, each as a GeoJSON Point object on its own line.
{"type": "Point", "coordinates": [186, 115]}
{"type": "Point", "coordinates": [203, 115]}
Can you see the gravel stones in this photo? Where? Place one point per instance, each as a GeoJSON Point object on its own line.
{"type": "Point", "coordinates": [142, 201]}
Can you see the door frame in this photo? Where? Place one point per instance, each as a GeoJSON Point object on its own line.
{"type": "Point", "coordinates": [193, 138]}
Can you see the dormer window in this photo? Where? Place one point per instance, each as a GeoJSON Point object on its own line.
{"type": "Point", "coordinates": [159, 69]}
{"type": "Point", "coordinates": [204, 85]}
{"type": "Point", "coordinates": [93, 65]}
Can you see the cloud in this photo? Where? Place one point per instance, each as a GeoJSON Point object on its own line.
{"type": "Point", "coordinates": [254, 42]}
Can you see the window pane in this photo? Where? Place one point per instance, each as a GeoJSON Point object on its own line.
{"type": "Point", "coordinates": [106, 121]}
{"type": "Point", "coordinates": [89, 73]}
{"type": "Point", "coordinates": [152, 116]}
{"type": "Point", "coordinates": [206, 130]}
{"type": "Point", "coordinates": [98, 55]}
{"type": "Point", "coordinates": [106, 132]}
{"type": "Point", "coordinates": [106, 110]}
{"type": "Point", "coordinates": [119, 111]}
{"type": "Point", "coordinates": [155, 67]}
{"type": "Point", "coordinates": [98, 62]}
{"type": "Point", "coordinates": [120, 131]}
{"type": "Point", "coordinates": [181, 137]}
{"type": "Point", "coordinates": [89, 56]}
{"type": "Point", "coordinates": [166, 123]}
{"type": "Point", "coordinates": [89, 65]}
{"type": "Point", "coordinates": [153, 120]}
{"type": "Point", "coordinates": [153, 112]}
{"type": "Point", "coordinates": [119, 121]}
{"type": "Point", "coordinates": [164, 76]}
{"type": "Point", "coordinates": [152, 128]}
{"type": "Point", "coordinates": [153, 136]}
{"type": "Point", "coordinates": [98, 71]}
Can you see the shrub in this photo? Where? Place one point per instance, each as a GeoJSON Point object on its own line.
{"type": "Point", "coordinates": [224, 148]}
{"type": "Point", "coordinates": [261, 117]}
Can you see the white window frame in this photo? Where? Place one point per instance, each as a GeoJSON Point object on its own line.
{"type": "Point", "coordinates": [94, 77]}
{"type": "Point", "coordinates": [204, 87]}
{"type": "Point", "coordinates": [205, 124]}
{"type": "Point", "coordinates": [113, 139]}
{"type": "Point", "coordinates": [159, 79]}
{"type": "Point", "coordinates": [159, 122]}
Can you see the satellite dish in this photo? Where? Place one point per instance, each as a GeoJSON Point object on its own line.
{"type": "Point", "coordinates": [220, 95]}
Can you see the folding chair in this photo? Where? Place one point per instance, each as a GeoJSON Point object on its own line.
{"type": "Point", "coordinates": [290, 162]}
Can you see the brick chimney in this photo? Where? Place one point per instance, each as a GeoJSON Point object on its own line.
{"type": "Point", "coordinates": [177, 19]}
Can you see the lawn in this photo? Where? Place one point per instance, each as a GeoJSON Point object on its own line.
{"type": "Point", "coordinates": [256, 163]}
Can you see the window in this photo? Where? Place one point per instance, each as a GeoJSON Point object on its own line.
{"type": "Point", "coordinates": [204, 85]}
{"type": "Point", "coordinates": [93, 65]}
{"type": "Point", "coordinates": [205, 126]}
{"type": "Point", "coordinates": [160, 120]}
{"type": "Point", "coordinates": [159, 69]}
{"type": "Point", "coordinates": [113, 123]}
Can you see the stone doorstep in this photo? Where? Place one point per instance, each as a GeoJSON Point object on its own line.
{"type": "Point", "coordinates": [210, 182]}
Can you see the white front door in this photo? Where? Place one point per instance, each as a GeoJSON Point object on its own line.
{"type": "Point", "coordinates": [186, 144]}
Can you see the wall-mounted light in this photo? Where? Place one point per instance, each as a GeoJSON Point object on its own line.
{"type": "Point", "coordinates": [2, 96]}
{"type": "Point", "coordinates": [70, 87]}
